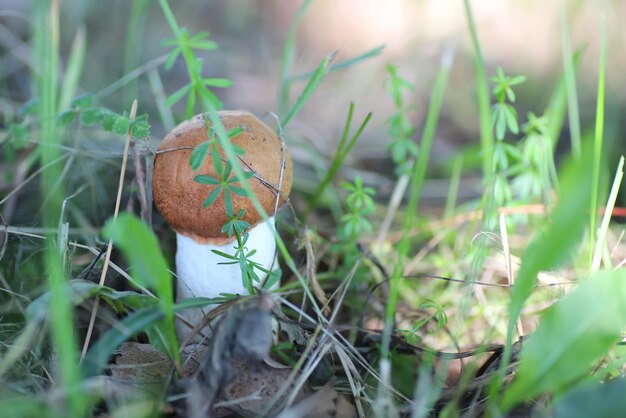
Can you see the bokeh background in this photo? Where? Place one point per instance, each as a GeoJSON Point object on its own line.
{"type": "Point", "coordinates": [524, 37]}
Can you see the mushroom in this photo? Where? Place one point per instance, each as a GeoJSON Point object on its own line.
{"type": "Point", "coordinates": [179, 198]}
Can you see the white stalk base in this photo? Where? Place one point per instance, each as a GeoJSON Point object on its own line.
{"type": "Point", "coordinates": [200, 275]}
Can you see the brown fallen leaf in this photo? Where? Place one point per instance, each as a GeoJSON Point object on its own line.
{"type": "Point", "coordinates": [254, 387]}
{"type": "Point", "coordinates": [140, 365]}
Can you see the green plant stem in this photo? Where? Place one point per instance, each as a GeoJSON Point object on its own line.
{"type": "Point", "coordinates": [417, 181]}
{"type": "Point", "coordinates": [597, 148]}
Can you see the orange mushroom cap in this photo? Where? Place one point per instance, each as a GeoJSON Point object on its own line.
{"type": "Point", "coordinates": [180, 199]}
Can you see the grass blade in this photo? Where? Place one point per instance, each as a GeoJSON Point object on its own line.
{"type": "Point", "coordinates": [374, 52]}
{"type": "Point", "coordinates": [314, 82]}
{"type": "Point", "coordinates": [569, 64]}
{"type": "Point", "coordinates": [74, 69]}
{"type": "Point", "coordinates": [610, 204]}
{"type": "Point", "coordinates": [560, 103]}
{"type": "Point", "coordinates": [597, 148]}
{"type": "Point", "coordinates": [165, 113]}
{"type": "Point", "coordinates": [287, 60]}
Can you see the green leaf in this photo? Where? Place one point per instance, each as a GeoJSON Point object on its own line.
{"type": "Point", "coordinates": [238, 191]}
{"type": "Point", "coordinates": [511, 119]}
{"type": "Point", "coordinates": [205, 45]}
{"type": "Point", "coordinates": [91, 116]}
{"type": "Point", "coordinates": [246, 174]}
{"type": "Point", "coordinates": [510, 94]}
{"type": "Point", "coordinates": [83, 101]}
{"type": "Point", "coordinates": [217, 161]}
{"type": "Point", "coordinates": [227, 171]}
{"type": "Point", "coordinates": [204, 179]}
{"type": "Point", "coordinates": [121, 125]}
{"type": "Point", "coordinates": [171, 58]}
{"type": "Point", "coordinates": [177, 95]}
{"type": "Point", "coordinates": [517, 80]}
{"type": "Point", "coordinates": [67, 117]}
{"type": "Point", "coordinates": [30, 108]}
{"type": "Point", "coordinates": [228, 203]}
{"type": "Point", "coordinates": [169, 42]}
{"type": "Point", "coordinates": [19, 133]}
{"type": "Point", "coordinates": [212, 197]}
{"type": "Point", "coordinates": [207, 94]}
{"type": "Point", "coordinates": [225, 255]}
{"type": "Point", "coordinates": [572, 335]}
{"type": "Point", "coordinates": [139, 129]}
{"type": "Point", "coordinates": [233, 133]}
{"type": "Point", "coordinates": [217, 82]}
{"type": "Point", "coordinates": [272, 278]}
{"type": "Point", "coordinates": [197, 302]}
{"type": "Point", "coordinates": [108, 121]}
{"type": "Point", "coordinates": [500, 125]}
{"type": "Point", "coordinates": [201, 41]}
{"type": "Point", "coordinates": [197, 157]}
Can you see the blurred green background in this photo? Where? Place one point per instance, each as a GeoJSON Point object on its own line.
{"type": "Point", "coordinates": [524, 37]}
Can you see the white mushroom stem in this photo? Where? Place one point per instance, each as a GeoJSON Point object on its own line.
{"type": "Point", "coordinates": [201, 275]}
